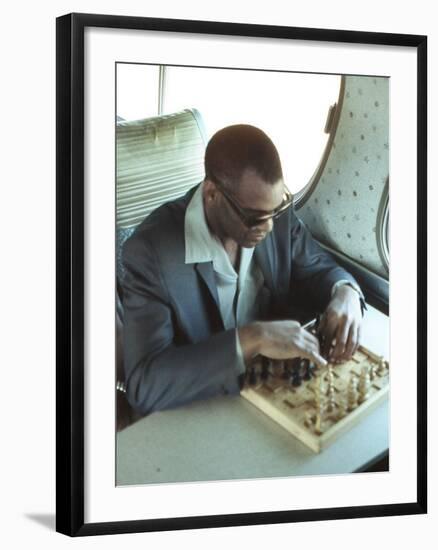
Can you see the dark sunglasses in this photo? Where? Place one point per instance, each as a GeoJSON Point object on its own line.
{"type": "Point", "coordinates": [250, 219]}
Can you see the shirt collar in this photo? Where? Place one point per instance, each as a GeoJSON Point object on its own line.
{"type": "Point", "coordinates": [202, 246]}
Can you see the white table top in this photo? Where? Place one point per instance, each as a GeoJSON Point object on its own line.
{"type": "Point", "coordinates": [228, 438]}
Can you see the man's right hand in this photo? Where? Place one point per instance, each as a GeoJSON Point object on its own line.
{"type": "Point", "coordinates": [279, 340]}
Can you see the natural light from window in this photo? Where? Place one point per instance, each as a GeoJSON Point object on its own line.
{"type": "Point", "coordinates": [137, 90]}
{"type": "Point", "coordinates": [291, 108]}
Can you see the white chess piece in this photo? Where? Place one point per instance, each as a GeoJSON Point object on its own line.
{"type": "Point", "coordinates": [352, 393]}
{"type": "Point", "coordinates": [319, 404]}
{"type": "Point", "coordinates": [381, 369]}
{"type": "Point", "coordinates": [364, 384]}
{"type": "Point", "coordinates": [342, 409]}
{"type": "Point", "coordinates": [331, 400]}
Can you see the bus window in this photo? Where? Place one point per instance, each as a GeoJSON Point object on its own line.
{"type": "Point", "coordinates": [290, 107]}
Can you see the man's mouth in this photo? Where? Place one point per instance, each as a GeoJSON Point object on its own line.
{"type": "Point", "coordinates": [258, 236]}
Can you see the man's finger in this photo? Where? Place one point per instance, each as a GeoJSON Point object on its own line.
{"type": "Point", "coordinates": [309, 348]}
{"type": "Point", "coordinates": [351, 342]}
{"type": "Point", "coordinates": [316, 358]}
{"type": "Point", "coordinates": [311, 339]}
{"type": "Point", "coordinates": [322, 323]}
{"type": "Point", "coordinates": [359, 335]}
{"type": "Point", "coordinates": [341, 340]}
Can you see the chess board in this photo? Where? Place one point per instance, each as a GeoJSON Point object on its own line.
{"type": "Point", "coordinates": [319, 409]}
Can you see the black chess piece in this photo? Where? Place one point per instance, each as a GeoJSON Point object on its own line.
{"type": "Point", "coordinates": [285, 375]}
{"type": "Point", "coordinates": [296, 377]}
{"type": "Point", "coordinates": [265, 369]}
{"type": "Point", "coordinates": [306, 367]}
{"type": "Point", "coordinates": [252, 375]}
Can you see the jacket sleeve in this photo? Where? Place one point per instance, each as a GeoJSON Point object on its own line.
{"type": "Point", "coordinates": [314, 272]}
{"type": "Point", "coordinates": [159, 373]}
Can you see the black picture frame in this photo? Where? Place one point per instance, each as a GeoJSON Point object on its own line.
{"type": "Point", "coordinates": [70, 272]}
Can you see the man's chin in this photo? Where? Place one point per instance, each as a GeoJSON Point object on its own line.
{"type": "Point", "coordinates": [252, 241]}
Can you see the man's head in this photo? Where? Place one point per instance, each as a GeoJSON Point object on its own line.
{"type": "Point", "coordinates": [243, 186]}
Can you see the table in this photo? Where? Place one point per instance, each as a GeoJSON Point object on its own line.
{"type": "Point", "coordinates": [228, 438]}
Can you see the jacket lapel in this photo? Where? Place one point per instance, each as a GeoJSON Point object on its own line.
{"type": "Point", "coordinates": [205, 271]}
{"type": "Point", "coordinates": [265, 255]}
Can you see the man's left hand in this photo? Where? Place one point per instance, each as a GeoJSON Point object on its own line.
{"type": "Point", "coordinates": [341, 325]}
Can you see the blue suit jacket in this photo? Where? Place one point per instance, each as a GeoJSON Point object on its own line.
{"type": "Point", "coordinates": [176, 349]}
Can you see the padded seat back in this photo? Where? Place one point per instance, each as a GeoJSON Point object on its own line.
{"type": "Point", "coordinates": [158, 159]}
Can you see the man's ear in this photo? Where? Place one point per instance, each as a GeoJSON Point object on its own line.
{"type": "Point", "coordinates": [209, 190]}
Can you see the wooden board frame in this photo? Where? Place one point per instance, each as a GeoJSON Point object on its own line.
{"type": "Point", "coordinates": [277, 410]}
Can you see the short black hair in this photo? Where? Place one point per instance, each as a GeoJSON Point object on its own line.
{"type": "Point", "coordinates": [241, 147]}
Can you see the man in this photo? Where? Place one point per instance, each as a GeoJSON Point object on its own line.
{"type": "Point", "coordinates": [212, 279]}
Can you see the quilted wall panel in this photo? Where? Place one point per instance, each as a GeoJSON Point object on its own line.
{"type": "Point", "coordinates": [344, 210]}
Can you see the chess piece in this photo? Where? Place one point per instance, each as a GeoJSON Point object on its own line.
{"type": "Point", "coordinates": [364, 384]}
{"type": "Point", "coordinates": [318, 403]}
{"type": "Point", "coordinates": [352, 393]}
{"type": "Point", "coordinates": [276, 367]}
{"type": "Point", "coordinates": [330, 377]}
{"type": "Point", "coordinates": [381, 369]}
{"type": "Point", "coordinates": [319, 417]}
{"type": "Point", "coordinates": [307, 372]}
{"type": "Point", "coordinates": [373, 371]}
{"type": "Point", "coordinates": [265, 369]}
{"type": "Point", "coordinates": [331, 399]}
{"type": "Point", "coordinates": [252, 375]}
{"type": "Point", "coordinates": [308, 421]}
{"type": "Point", "coordinates": [331, 402]}
{"type": "Point", "coordinates": [285, 375]}
{"type": "Point", "coordinates": [317, 391]}
{"type": "Point", "coordinates": [342, 410]}
{"type": "Point", "coordinates": [295, 374]}
{"type": "Point", "coordinates": [295, 380]}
